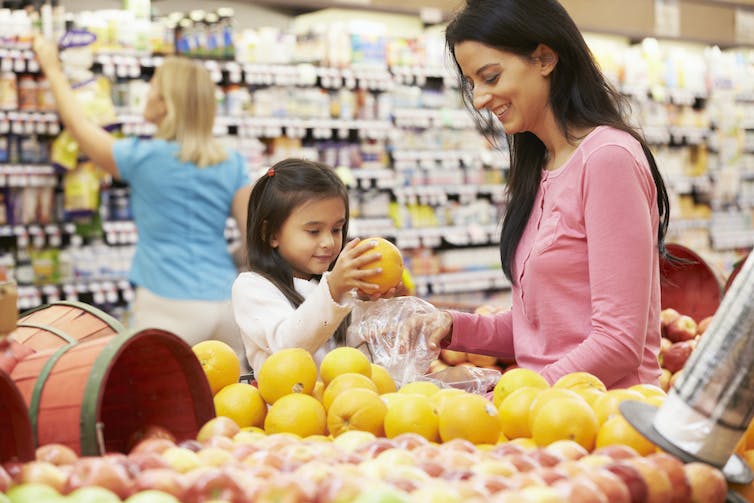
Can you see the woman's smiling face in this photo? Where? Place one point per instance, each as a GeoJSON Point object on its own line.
{"type": "Point", "coordinates": [514, 88]}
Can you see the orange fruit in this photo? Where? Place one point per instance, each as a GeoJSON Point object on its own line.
{"type": "Point", "coordinates": [514, 412]}
{"type": "Point", "coordinates": [344, 382]}
{"type": "Point", "coordinates": [319, 390]}
{"type": "Point", "coordinates": [747, 439]}
{"type": "Point", "coordinates": [242, 403]}
{"type": "Point", "coordinates": [426, 388]}
{"type": "Point", "coordinates": [617, 430]}
{"type": "Point", "coordinates": [438, 399]}
{"type": "Point", "coordinates": [344, 360]}
{"type": "Point", "coordinates": [296, 413]}
{"type": "Point", "coordinates": [580, 380]}
{"type": "Point", "coordinates": [357, 409]}
{"type": "Point", "coordinates": [564, 418]}
{"type": "Point", "coordinates": [383, 379]}
{"type": "Point", "coordinates": [286, 371]}
{"type": "Point", "coordinates": [470, 417]}
{"type": "Point", "coordinates": [588, 394]}
{"type": "Point", "coordinates": [514, 379]}
{"type": "Point", "coordinates": [606, 405]}
{"type": "Point", "coordinates": [648, 390]}
{"type": "Point", "coordinates": [412, 414]}
{"type": "Point", "coordinates": [545, 396]}
{"type": "Point", "coordinates": [391, 264]}
{"type": "Point", "coordinates": [219, 362]}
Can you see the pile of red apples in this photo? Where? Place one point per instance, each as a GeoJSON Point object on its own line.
{"type": "Point", "coordinates": [355, 467]}
{"type": "Point", "coordinates": [680, 335]}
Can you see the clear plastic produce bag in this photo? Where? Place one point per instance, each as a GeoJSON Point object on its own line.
{"type": "Point", "coordinates": [397, 329]}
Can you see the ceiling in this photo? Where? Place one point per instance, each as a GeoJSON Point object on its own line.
{"type": "Point", "coordinates": [443, 8]}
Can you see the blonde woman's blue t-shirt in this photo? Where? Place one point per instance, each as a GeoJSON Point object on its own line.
{"type": "Point", "coordinates": [180, 211]}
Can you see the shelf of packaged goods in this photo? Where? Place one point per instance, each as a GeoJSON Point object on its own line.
{"type": "Point", "coordinates": [461, 281]}
{"type": "Point", "coordinates": [27, 175]}
{"type": "Point", "coordinates": [98, 292]}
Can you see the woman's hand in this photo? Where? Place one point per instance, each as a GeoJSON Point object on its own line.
{"type": "Point", "coordinates": [47, 54]}
{"type": "Point", "coordinates": [347, 273]}
{"type": "Point", "coordinates": [433, 327]}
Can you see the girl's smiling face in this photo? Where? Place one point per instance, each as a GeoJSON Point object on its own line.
{"type": "Point", "coordinates": [311, 237]}
{"type": "Point", "coordinates": [514, 88]}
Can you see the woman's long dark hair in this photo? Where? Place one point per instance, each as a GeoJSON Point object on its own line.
{"type": "Point", "coordinates": [287, 185]}
{"type": "Point", "coordinates": [580, 97]}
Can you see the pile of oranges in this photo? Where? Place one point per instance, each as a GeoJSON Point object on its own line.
{"type": "Point", "coordinates": [346, 392]}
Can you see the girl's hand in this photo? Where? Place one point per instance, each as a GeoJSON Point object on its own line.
{"type": "Point", "coordinates": [47, 53]}
{"type": "Point", "coordinates": [347, 273]}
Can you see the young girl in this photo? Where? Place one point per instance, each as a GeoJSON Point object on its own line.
{"type": "Point", "coordinates": [299, 288]}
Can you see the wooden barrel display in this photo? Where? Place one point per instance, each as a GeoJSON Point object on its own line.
{"type": "Point", "coordinates": [58, 324]}
{"type": "Point", "coordinates": [16, 443]}
{"type": "Point", "coordinates": [95, 395]}
{"type": "Point", "coordinates": [691, 286]}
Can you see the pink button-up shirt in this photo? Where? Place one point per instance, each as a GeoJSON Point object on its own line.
{"type": "Point", "coordinates": [587, 287]}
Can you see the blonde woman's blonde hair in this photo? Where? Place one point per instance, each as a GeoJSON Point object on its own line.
{"type": "Point", "coordinates": [189, 95]}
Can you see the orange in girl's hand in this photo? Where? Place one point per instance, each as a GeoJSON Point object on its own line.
{"type": "Point", "coordinates": [391, 264]}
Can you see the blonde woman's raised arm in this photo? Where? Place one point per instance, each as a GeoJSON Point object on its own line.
{"type": "Point", "coordinates": [93, 141]}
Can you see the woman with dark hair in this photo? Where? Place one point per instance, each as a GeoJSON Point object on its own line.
{"type": "Point", "coordinates": [587, 209]}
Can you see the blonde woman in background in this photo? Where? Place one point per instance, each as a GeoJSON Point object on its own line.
{"type": "Point", "coordinates": [184, 185]}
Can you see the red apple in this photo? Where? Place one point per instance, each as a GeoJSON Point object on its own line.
{"type": "Point", "coordinates": [659, 489]}
{"type": "Point", "coordinates": [617, 451]}
{"type": "Point", "coordinates": [567, 449]}
{"type": "Point", "coordinates": [673, 468]}
{"type": "Point", "coordinates": [376, 446]}
{"type": "Point", "coordinates": [580, 490]}
{"type": "Point", "coordinates": [489, 484]}
{"type": "Point", "coordinates": [410, 441]}
{"type": "Point", "coordinates": [285, 487]}
{"type": "Point", "coordinates": [5, 480]}
{"type": "Point", "coordinates": [161, 479]}
{"type": "Point", "coordinates": [611, 485]}
{"type": "Point", "coordinates": [42, 472]}
{"type": "Point", "coordinates": [57, 454]}
{"type": "Point", "coordinates": [633, 479]}
{"type": "Point", "coordinates": [683, 328]}
{"type": "Point", "coordinates": [149, 431]}
{"type": "Point", "coordinates": [708, 484]}
{"type": "Point", "coordinates": [667, 316]}
{"type": "Point", "coordinates": [214, 484]}
{"type": "Point", "coordinates": [703, 325]}
{"type": "Point", "coordinates": [157, 445]}
{"type": "Point", "coordinates": [105, 472]}
{"type": "Point", "coordinates": [433, 468]}
{"type": "Point", "coordinates": [147, 460]}
{"type": "Point", "coordinates": [675, 358]}
{"type": "Point", "coordinates": [545, 457]}
{"type": "Point", "coordinates": [13, 469]}
{"type": "Point", "coordinates": [191, 444]}
{"type": "Point", "coordinates": [217, 426]}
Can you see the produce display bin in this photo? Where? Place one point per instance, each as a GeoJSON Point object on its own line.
{"type": "Point", "coordinates": [94, 396]}
{"type": "Point", "coordinates": [15, 426]}
{"type": "Point", "coordinates": [58, 324]}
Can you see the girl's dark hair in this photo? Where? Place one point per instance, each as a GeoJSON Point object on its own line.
{"type": "Point", "coordinates": [580, 97]}
{"type": "Point", "coordinates": [287, 185]}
